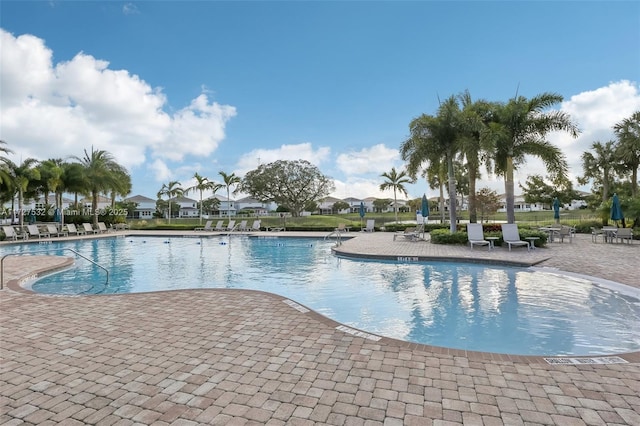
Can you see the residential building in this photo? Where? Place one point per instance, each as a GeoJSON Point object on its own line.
{"type": "Point", "coordinates": [145, 206]}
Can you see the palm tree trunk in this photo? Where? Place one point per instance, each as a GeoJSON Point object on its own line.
{"type": "Point", "coordinates": [441, 202]}
{"type": "Point", "coordinates": [94, 208]}
{"type": "Point", "coordinates": [473, 215]}
{"type": "Point", "coordinates": [395, 203]}
{"type": "Point", "coordinates": [509, 192]}
{"type": "Point", "coordinates": [200, 207]}
{"type": "Point", "coordinates": [452, 195]}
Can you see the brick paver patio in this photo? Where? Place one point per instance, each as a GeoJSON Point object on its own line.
{"type": "Point", "coordinates": [237, 357]}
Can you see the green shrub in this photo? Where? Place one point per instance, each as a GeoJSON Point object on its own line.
{"type": "Point", "coordinates": [443, 236]}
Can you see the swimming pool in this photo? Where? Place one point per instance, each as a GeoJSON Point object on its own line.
{"type": "Point", "coordinates": [463, 306]}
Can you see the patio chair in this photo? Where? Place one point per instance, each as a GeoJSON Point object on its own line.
{"type": "Point", "coordinates": [511, 236]}
{"type": "Point", "coordinates": [231, 225]}
{"type": "Point", "coordinates": [88, 228]}
{"type": "Point", "coordinates": [102, 228]}
{"type": "Point", "coordinates": [35, 232]}
{"type": "Point", "coordinates": [342, 227]}
{"type": "Point", "coordinates": [595, 233]}
{"type": "Point", "coordinates": [370, 225]}
{"type": "Point", "coordinates": [566, 231]}
{"type": "Point", "coordinates": [11, 234]}
{"type": "Point", "coordinates": [241, 227]}
{"type": "Point", "coordinates": [256, 225]}
{"type": "Point", "coordinates": [206, 227]}
{"type": "Point", "coordinates": [72, 230]}
{"type": "Point", "coordinates": [476, 236]}
{"type": "Point", "coordinates": [624, 234]}
{"type": "Point", "coordinates": [53, 230]}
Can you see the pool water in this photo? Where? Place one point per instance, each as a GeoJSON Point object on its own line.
{"type": "Point", "coordinates": [464, 306]}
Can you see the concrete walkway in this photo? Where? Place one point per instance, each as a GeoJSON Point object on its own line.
{"type": "Point", "coordinates": [236, 357]}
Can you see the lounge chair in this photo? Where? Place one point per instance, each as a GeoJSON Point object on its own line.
{"type": "Point", "coordinates": [255, 226]}
{"type": "Point", "coordinates": [476, 236]}
{"type": "Point", "coordinates": [411, 234]}
{"type": "Point", "coordinates": [35, 232]}
{"type": "Point", "coordinates": [231, 225]}
{"type": "Point", "coordinates": [219, 226]}
{"type": "Point", "coordinates": [242, 226]}
{"type": "Point", "coordinates": [102, 228]}
{"type": "Point", "coordinates": [511, 236]}
{"type": "Point", "coordinates": [53, 230]}
{"type": "Point", "coordinates": [11, 234]}
{"type": "Point", "coordinates": [88, 228]}
{"type": "Point", "coordinates": [72, 230]}
{"type": "Point", "coordinates": [206, 227]}
{"type": "Point", "coordinates": [624, 234]}
{"type": "Point", "coordinates": [370, 225]}
{"type": "Point", "coordinates": [342, 228]}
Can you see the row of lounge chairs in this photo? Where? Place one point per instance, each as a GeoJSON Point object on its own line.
{"type": "Point", "coordinates": [230, 227]}
{"type": "Point", "coordinates": [51, 230]}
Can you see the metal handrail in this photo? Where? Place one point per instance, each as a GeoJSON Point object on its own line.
{"type": "Point", "coordinates": [338, 236]}
{"type": "Point", "coordinates": [47, 251]}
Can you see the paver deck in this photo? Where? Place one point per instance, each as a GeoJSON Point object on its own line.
{"type": "Point", "coordinates": [237, 357]}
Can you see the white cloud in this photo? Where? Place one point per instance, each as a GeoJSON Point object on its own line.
{"type": "Point", "coordinates": [82, 103]}
{"type": "Point", "coordinates": [130, 9]}
{"type": "Point", "coordinates": [161, 171]}
{"type": "Point", "coordinates": [302, 151]}
{"type": "Point", "coordinates": [376, 159]}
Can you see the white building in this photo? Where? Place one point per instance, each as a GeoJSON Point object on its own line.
{"type": "Point", "coordinates": [145, 206]}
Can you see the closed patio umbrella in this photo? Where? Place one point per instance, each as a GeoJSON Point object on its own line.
{"type": "Point", "coordinates": [556, 209]}
{"type": "Point", "coordinates": [32, 217]}
{"type": "Point", "coordinates": [616, 209]}
{"type": "Point", "coordinates": [362, 212]}
{"type": "Point", "coordinates": [424, 210]}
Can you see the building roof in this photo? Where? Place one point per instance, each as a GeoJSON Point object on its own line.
{"type": "Point", "coordinates": [139, 199]}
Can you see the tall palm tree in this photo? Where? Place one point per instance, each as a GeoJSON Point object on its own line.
{"type": "Point", "coordinates": [20, 175]}
{"type": "Point", "coordinates": [473, 145]}
{"type": "Point", "coordinates": [50, 177]}
{"type": "Point", "coordinates": [628, 132]}
{"type": "Point", "coordinates": [203, 184]}
{"type": "Point", "coordinates": [101, 174]}
{"type": "Point", "coordinates": [72, 181]}
{"type": "Point", "coordinates": [599, 164]}
{"type": "Point", "coordinates": [519, 128]}
{"type": "Point", "coordinates": [433, 138]}
{"type": "Point", "coordinates": [395, 181]}
{"type": "Point", "coordinates": [229, 180]}
{"type": "Point", "coordinates": [171, 190]}
{"type": "Point", "coordinates": [122, 186]}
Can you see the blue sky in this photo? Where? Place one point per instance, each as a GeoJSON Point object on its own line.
{"type": "Point", "coordinates": [172, 88]}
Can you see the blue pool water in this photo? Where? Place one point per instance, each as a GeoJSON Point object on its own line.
{"type": "Point", "coordinates": [456, 305]}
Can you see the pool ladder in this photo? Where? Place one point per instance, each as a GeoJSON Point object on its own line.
{"type": "Point", "coordinates": [47, 251]}
{"type": "Point", "coordinates": [337, 235]}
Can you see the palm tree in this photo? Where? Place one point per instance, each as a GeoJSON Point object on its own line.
{"type": "Point", "coordinates": [518, 128]}
{"type": "Point", "coordinates": [628, 132]}
{"type": "Point", "coordinates": [599, 164]}
{"type": "Point", "coordinates": [474, 147]}
{"type": "Point", "coordinates": [229, 180]}
{"type": "Point", "coordinates": [203, 184]}
{"type": "Point", "coordinates": [50, 178]}
{"type": "Point", "coordinates": [20, 175]}
{"type": "Point", "coordinates": [171, 190]}
{"type": "Point", "coordinates": [101, 174]}
{"type": "Point", "coordinates": [396, 182]}
{"type": "Point", "coordinates": [72, 181]}
{"type": "Point", "coordinates": [4, 175]}
{"type": "Point", "coordinates": [433, 138]}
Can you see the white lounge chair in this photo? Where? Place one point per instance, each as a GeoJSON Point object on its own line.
{"type": "Point", "coordinates": [102, 228]}
{"type": "Point", "coordinates": [35, 232]}
{"type": "Point", "coordinates": [88, 228]}
{"type": "Point", "coordinates": [476, 236]}
{"type": "Point", "coordinates": [11, 234]}
{"type": "Point", "coordinates": [206, 227]}
{"type": "Point", "coordinates": [219, 226]}
{"type": "Point", "coordinates": [72, 230]}
{"type": "Point", "coordinates": [255, 226]}
{"type": "Point", "coordinates": [53, 230]}
{"type": "Point", "coordinates": [370, 225]}
{"type": "Point", "coordinates": [231, 225]}
{"type": "Point", "coordinates": [242, 226]}
{"type": "Point", "coordinates": [511, 236]}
